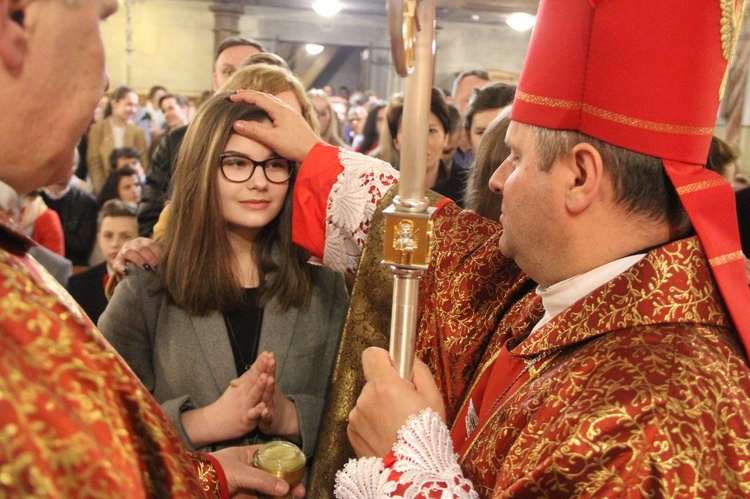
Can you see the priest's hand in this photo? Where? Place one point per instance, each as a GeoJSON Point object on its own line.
{"type": "Point", "coordinates": [387, 401]}
{"type": "Point", "coordinates": [289, 135]}
{"type": "Point", "coordinates": [244, 480]}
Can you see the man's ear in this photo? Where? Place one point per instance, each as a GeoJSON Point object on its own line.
{"type": "Point", "coordinates": [13, 33]}
{"type": "Point", "coordinates": [586, 177]}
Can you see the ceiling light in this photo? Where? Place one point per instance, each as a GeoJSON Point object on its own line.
{"type": "Point", "coordinates": [521, 21]}
{"type": "Point", "coordinates": [314, 48]}
{"type": "Point", "coordinates": [326, 8]}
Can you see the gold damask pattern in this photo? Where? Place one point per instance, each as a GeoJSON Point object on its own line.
{"type": "Point", "coordinates": [459, 292]}
{"type": "Point", "coordinates": [367, 324]}
{"type": "Point", "coordinates": [471, 285]}
{"type": "Point", "coordinates": [646, 394]}
{"type": "Point", "coordinates": [75, 421]}
{"type": "Point", "coordinates": [604, 413]}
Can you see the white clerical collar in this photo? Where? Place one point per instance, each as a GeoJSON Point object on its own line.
{"type": "Point", "coordinates": [8, 198]}
{"type": "Point", "coordinates": [563, 294]}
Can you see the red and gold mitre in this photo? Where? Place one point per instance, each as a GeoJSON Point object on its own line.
{"type": "Point", "coordinates": [648, 76]}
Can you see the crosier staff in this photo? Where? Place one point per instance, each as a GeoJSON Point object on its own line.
{"type": "Point", "coordinates": [408, 223]}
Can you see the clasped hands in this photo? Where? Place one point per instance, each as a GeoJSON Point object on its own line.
{"type": "Point", "coordinates": [251, 401]}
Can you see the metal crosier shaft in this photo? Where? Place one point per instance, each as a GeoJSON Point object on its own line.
{"type": "Point", "coordinates": [408, 223]}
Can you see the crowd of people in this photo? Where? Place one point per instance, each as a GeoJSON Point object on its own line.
{"type": "Point", "coordinates": [584, 324]}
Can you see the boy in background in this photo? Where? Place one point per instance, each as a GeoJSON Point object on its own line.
{"type": "Point", "coordinates": [117, 224]}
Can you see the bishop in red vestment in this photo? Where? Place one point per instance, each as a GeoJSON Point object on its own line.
{"type": "Point", "coordinates": [609, 358]}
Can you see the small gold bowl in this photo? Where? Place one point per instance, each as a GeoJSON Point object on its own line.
{"type": "Point", "coordinates": [283, 459]}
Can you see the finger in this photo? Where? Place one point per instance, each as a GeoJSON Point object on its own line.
{"type": "Point", "coordinates": [358, 443]}
{"type": "Point", "coordinates": [377, 365]}
{"type": "Point", "coordinates": [255, 413]}
{"type": "Point", "coordinates": [257, 388]}
{"type": "Point", "coordinates": [299, 490]}
{"type": "Point", "coordinates": [271, 364]}
{"type": "Point", "coordinates": [269, 390]}
{"type": "Point", "coordinates": [149, 251]}
{"type": "Point", "coordinates": [426, 386]}
{"type": "Point", "coordinates": [422, 375]}
{"type": "Point", "coordinates": [256, 480]}
{"type": "Point", "coordinates": [142, 252]}
{"type": "Point", "coordinates": [120, 265]}
{"type": "Point", "coordinates": [269, 103]}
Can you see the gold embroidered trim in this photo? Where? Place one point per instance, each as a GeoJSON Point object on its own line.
{"type": "Point", "coordinates": [615, 117]}
{"type": "Point", "coordinates": [548, 101]}
{"type": "Point", "coordinates": [699, 186]}
{"type": "Point", "coordinates": [721, 260]}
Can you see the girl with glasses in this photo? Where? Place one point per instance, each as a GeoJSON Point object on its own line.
{"type": "Point", "coordinates": [235, 334]}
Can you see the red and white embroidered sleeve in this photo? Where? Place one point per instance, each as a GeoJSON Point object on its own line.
{"type": "Point", "coordinates": [335, 196]}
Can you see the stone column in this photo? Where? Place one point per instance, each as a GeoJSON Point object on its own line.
{"type": "Point", "coordinates": [226, 20]}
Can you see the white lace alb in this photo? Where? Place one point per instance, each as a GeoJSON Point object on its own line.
{"type": "Point", "coordinates": [425, 459]}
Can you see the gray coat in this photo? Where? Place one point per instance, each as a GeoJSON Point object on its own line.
{"type": "Point", "coordinates": [187, 362]}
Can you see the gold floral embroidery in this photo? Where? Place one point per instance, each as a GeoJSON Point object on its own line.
{"type": "Point", "coordinates": [75, 421]}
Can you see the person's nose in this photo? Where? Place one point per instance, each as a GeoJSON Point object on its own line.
{"type": "Point", "coordinates": [257, 179]}
{"type": "Point", "coordinates": [498, 178]}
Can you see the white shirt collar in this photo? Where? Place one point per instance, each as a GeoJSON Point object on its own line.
{"type": "Point", "coordinates": [8, 197]}
{"type": "Point", "coordinates": [55, 196]}
{"type": "Point", "coordinates": [563, 294]}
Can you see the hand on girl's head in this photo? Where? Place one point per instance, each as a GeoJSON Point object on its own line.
{"type": "Point", "coordinates": [286, 124]}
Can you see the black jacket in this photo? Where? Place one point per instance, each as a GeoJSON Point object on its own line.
{"type": "Point", "coordinates": [87, 288]}
{"type": "Point", "coordinates": [158, 179]}
{"type": "Point", "coordinates": [77, 211]}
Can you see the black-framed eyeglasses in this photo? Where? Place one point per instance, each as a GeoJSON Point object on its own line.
{"type": "Point", "coordinates": [239, 168]}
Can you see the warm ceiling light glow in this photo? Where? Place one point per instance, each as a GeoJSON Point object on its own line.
{"type": "Point", "coordinates": [314, 48]}
{"type": "Point", "coordinates": [475, 17]}
{"type": "Point", "coordinates": [521, 21]}
{"type": "Point", "coordinates": [326, 8]}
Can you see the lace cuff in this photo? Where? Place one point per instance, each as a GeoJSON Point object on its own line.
{"type": "Point", "coordinates": [351, 203]}
{"type": "Point", "coordinates": [425, 466]}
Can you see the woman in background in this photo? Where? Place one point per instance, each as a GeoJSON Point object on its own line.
{"type": "Point", "coordinates": [330, 129]}
{"type": "Point", "coordinates": [491, 152]}
{"type": "Point", "coordinates": [373, 125]}
{"type": "Point", "coordinates": [116, 130]}
{"type": "Point", "coordinates": [123, 184]}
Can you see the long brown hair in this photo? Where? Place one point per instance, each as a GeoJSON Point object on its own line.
{"type": "Point", "coordinates": [198, 269]}
{"type": "Point", "coordinates": [492, 152]}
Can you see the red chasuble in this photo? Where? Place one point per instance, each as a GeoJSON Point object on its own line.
{"type": "Point", "coordinates": [75, 421]}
